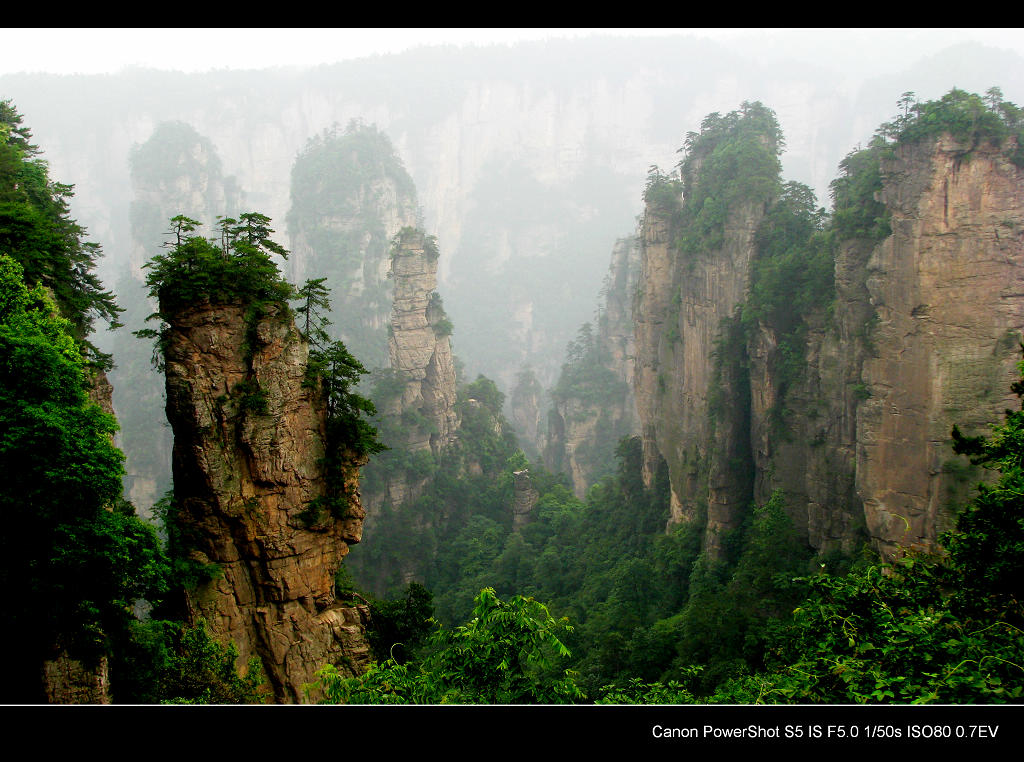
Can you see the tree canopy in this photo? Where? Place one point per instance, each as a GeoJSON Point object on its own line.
{"type": "Point", "coordinates": [37, 231]}
{"type": "Point", "coordinates": [73, 556]}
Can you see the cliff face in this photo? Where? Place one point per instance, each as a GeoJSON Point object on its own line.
{"type": "Point", "coordinates": [948, 291]}
{"type": "Point", "coordinates": [594, 406]}
{"type": "Point", "coordinates": [416, 395]}
{"type": "Point", "coordinates": [246, 468]}
{"type": "Point", "coordinates": [922, 334]}
{"type": "Point", "coordinates": [682, 309]}
{"type": "Point", "coordinates": [581, 140]}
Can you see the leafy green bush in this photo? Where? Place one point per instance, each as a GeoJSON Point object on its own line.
{"type": "Point", "coordinates": [507, 654]}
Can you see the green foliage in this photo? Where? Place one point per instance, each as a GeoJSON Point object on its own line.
{"type": "Point", "coordinates": [398, 627]}
{"type": "Point", "coordinates": [987, 548]}
{"type": "Point", "coordinates": [734, 160]}
{"type": "Point", "coordinates": [168, 662]}
{"type": "Point", "coordinates": [636, 691]}
{"type": "Point", "coordinates": [967, 117]}
{"type": "Point", "coordinates": [71, 568]}
{"type": "Point", "coordinates": [507, 654]}
{"type": "Point", "coordinates": [793, 271]}
{"type": "Point", "coordinates": [888, 635]}
{"type": "Point", "coordinates": [36, 230]}
{"type": "Point", "coordinates": [586, 374]}
{"type": "Point", "coordinates": [235, 268]}
{"type": "Point", "coordinates": [348, 430]}
{"type": "Point", "coordinates": [186, 571]}
{"type": "Point", "coordinates": [791, 283]}
{"type": "Point", "coordinates": [662, 192]}
{"type": "Point", "coordinates": [313, 304]}
{"type": "Point", "coordinates": [857, 210]}
{"type": "Point", "coordinates": [199, 670]}
{"type": "Point", "coordinates": [943, 629]}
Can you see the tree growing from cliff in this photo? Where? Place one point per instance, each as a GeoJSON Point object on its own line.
{"type": "Point", "coordinates": [338, 372]}
{"type": "Point", "coordinates": [314, 304]}
{"type": "Point", "coordinates": [234, 267]}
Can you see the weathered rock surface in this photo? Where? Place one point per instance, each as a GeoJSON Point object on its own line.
{"type": "Point", "coordinates": [948, 290]}
{"type": "Point", "coordinates": [69, 681]}
{"type": "Point", "coordinates": [679, 312]}
{"type": "Point", "coordinates": [923, 335]}
{"type": "Point", "coordinates": [246, 472]}
{"type": "Point", "coordinates": [524, 498]}
{"type": "Point", "coordinates": [419, 346]}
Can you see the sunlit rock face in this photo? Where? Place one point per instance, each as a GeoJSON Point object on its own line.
{"type": "Point", "coordinates": [246, 473]}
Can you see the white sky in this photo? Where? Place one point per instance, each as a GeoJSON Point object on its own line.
{"type": "Point", "coordinates": [98, 50]}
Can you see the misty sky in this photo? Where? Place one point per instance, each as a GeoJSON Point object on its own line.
{"type": "Point", "coordinates": [92, 50]}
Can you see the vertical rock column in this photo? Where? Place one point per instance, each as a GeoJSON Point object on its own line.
{"type": "Point", "coordinates": [249, 438]}
{"type": "Point", "coordinates": [683, 303]}
{"type": "Point", "coordinates": [419, 346]}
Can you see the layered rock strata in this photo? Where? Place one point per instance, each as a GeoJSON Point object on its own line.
{"type": "Point", "coordinates": [249, 442]}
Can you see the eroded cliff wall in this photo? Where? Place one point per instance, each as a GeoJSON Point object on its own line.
{"type": "Point", "coordinates": [921, 333]}
{"type": "Point", "coordinates": [682, 311]}
{"type": "Point", "coordinates": [415, 396]}
{"type": "Point", "coordinates": [948, 290]}
{"type": "Point", "coordinates": [419, 345]}
{"type": "Point", "coordinates": [249, 438]}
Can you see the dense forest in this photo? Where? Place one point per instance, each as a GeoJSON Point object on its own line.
{"type": "Point", "coordinates": [484, 575]}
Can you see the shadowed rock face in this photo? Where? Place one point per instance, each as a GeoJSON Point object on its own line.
{"type": "Point", "coordinates": [246, 468]}
{"type": "Point", "coordinates": [679, 311]}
